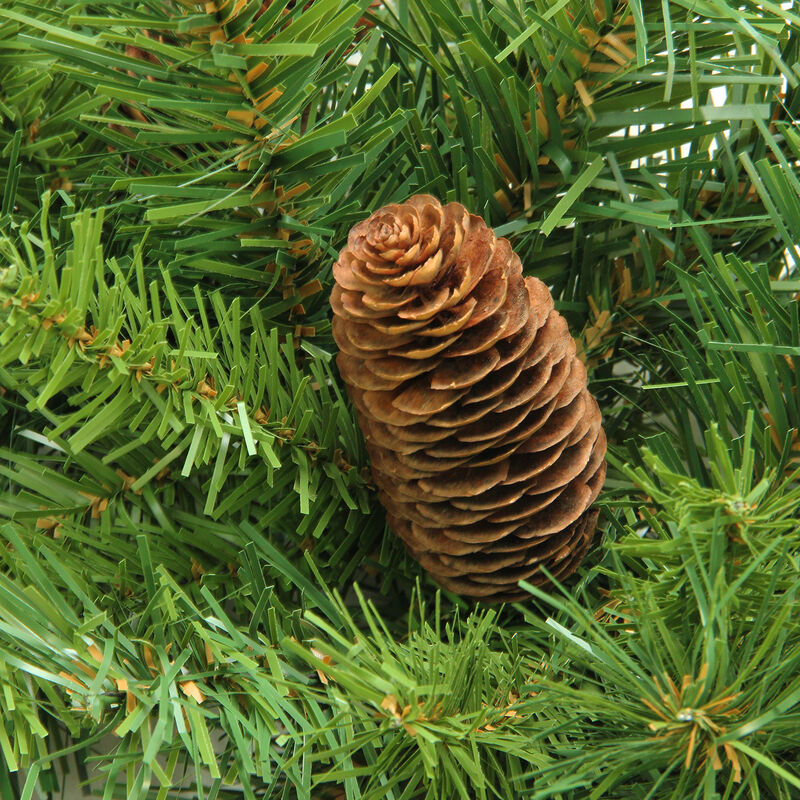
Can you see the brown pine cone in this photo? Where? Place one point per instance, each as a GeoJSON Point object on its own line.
{"type": "Point", "coordinates": [485, 443]}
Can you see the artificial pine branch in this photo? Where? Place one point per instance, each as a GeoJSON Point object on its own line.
{"type": "Point", "coordinates": [180, 176]}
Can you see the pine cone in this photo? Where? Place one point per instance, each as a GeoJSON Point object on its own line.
{"type": "Point", "coordinates": [485, 443]}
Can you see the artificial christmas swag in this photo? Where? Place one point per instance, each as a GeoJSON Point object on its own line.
{"type": "Point", "coordinates": [485, 443]}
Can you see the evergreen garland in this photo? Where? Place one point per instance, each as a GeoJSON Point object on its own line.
{"type": "Point", "coordinates": [198, 596]}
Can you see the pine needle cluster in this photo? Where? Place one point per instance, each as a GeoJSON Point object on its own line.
{"type": "Point", "coordinates": [198, 595]}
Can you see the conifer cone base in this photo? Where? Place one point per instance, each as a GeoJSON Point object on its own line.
{"type": "Point", "coordinates": [485, 443]}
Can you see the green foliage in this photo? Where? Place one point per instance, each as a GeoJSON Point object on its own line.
{"type": "Point", "coordinates": [197, 593]}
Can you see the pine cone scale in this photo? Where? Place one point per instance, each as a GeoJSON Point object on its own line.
{"type": "Point", "coordinates": [486, 446]}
